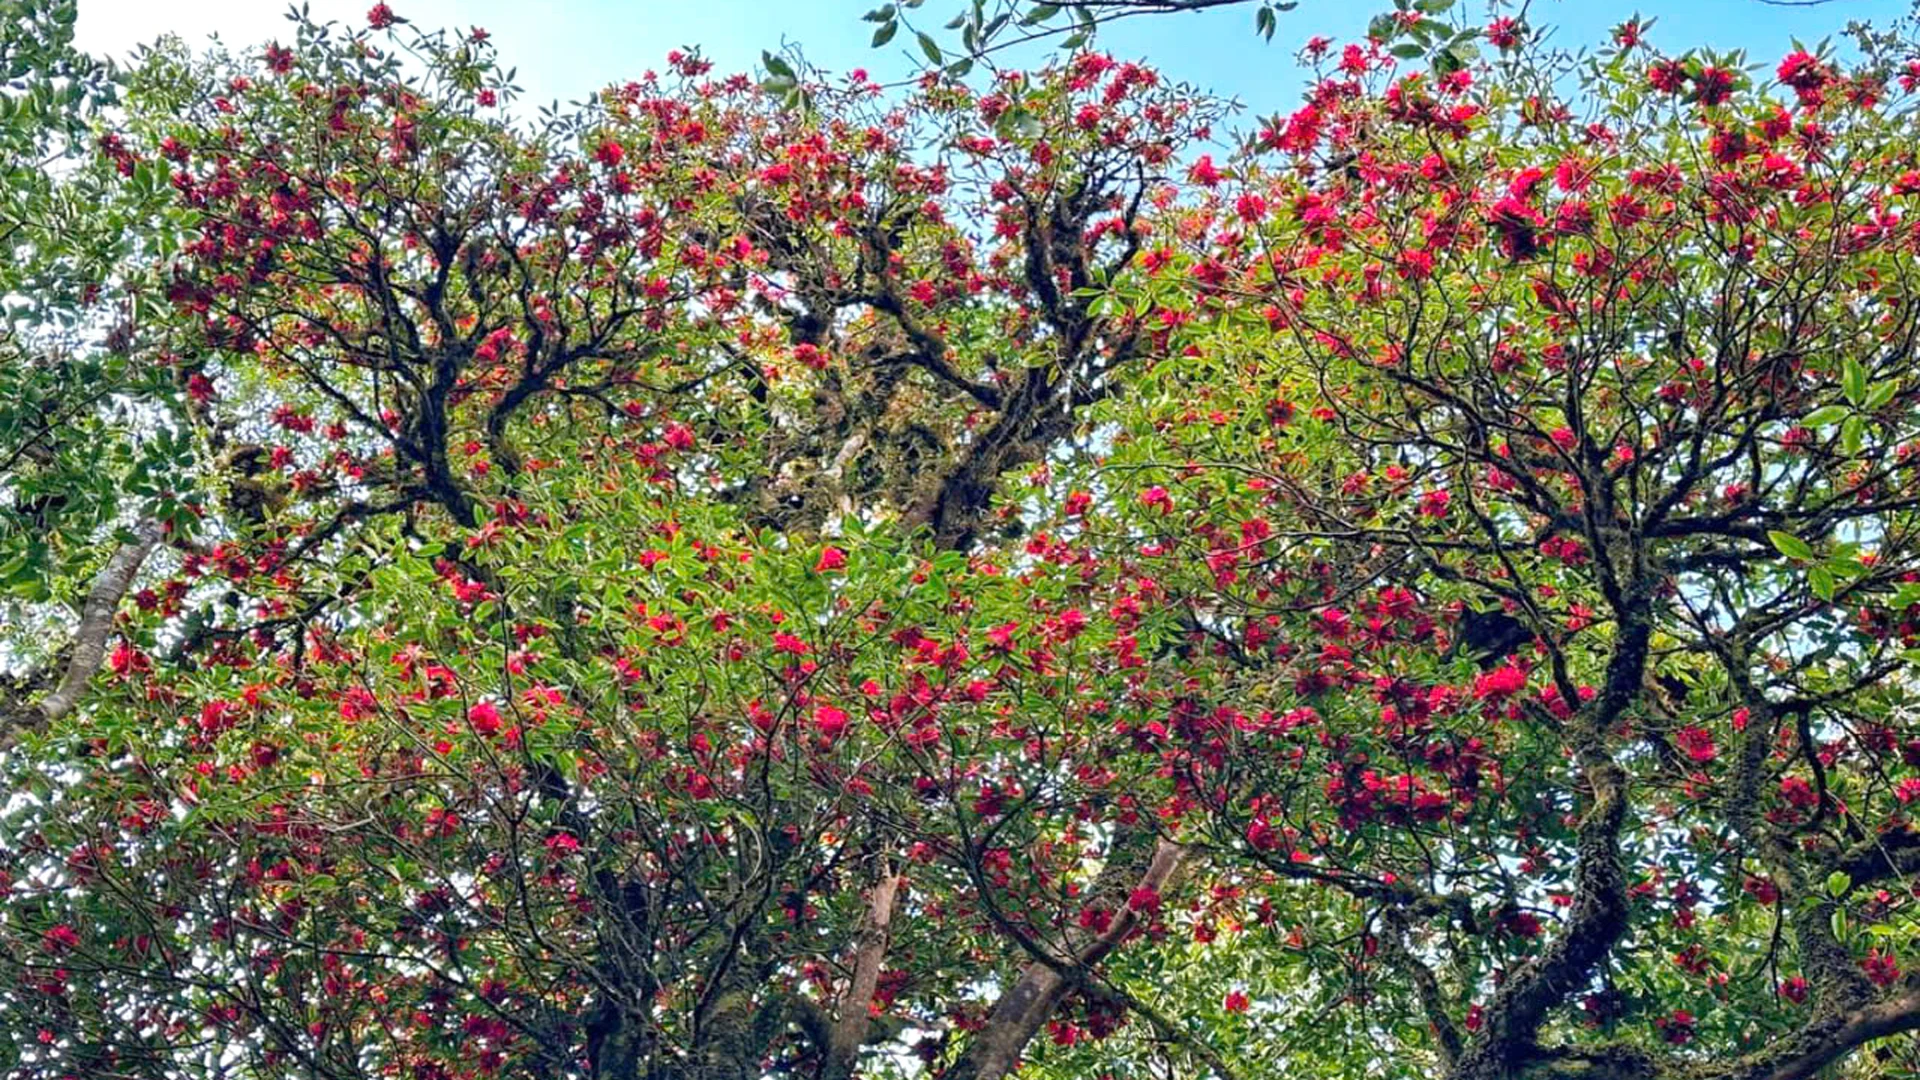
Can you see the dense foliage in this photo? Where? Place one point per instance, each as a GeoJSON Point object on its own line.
{"type": "Point", "coordinates": [788, 577]}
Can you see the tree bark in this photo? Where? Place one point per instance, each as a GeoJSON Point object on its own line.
{"type": "Point", "coordinates": [850, 1030]}
{"type": "Point", "coordinates": [110, 586]}
{"type": "Point", "coordinates": [1027, 1005]}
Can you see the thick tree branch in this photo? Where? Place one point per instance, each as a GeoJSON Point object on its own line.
{"type": "Point", "coordinates": [850, 1030]}
{"type": "Point", "coordinates": [110, 586]}
{"type": "Point", "coordinates": [1033, 998]}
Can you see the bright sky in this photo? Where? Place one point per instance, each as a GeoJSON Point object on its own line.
{"type": "Point", "coordinates": [566, 49]}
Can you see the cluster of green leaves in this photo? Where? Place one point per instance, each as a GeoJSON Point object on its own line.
{"type": "Point", "coordinates": [986, 27]}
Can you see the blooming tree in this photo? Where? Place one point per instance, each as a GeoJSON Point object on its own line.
{"type": "Point", "coordinates": [791, 578]}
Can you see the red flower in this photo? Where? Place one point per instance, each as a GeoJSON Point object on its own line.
{"type": "Point", "coordinates": [1881, 968]}
{"type": "Point", "coordinates": [1715, 85]}
{"type": "Point", "coordinates": [61, 938]}
{"type": "Point", "coordinates": [831, 559]}
{"type": "Point", "coordinates": [380, 16]}
{"type": "Point", "coordinates": [1761, 889]}
{"type": "Point", "coordinates": [1501, 682]}
{"type": "Point", "coordinates": [1237, 1002]}
{"type": "Point", "coordinates": [1144, 899]}
{"type": "Point", "coordinates": [810, 355]}
{"type": "Point", "coordinates": [1797, 791]}
{"type": "Point", "coordinates": [1667, 76]}
{"type": "Point", "coordinates": [832, 722]}
{"type": "Point", "coordinates": [1523, 924]}
{"type": "Point", "coordinates": [1697, 742]}
{"type": "Point", "coordinates": [1804, 72]}
{"type": "Point", "coordinates": [1676, 1028]}
{"type": "Point", "coordinates": [127, 660]}
{"type": "Point", "coordinates": [1261, 836]}
{"type": "Point", "coordinates": [484, 718]}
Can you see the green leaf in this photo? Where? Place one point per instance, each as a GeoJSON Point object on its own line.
{"type": "Point", "coordinates": [777, 66]}
{"type": "Point", "coordinates": [1838, 884]}
{"type": "Point", "coordinates": [1017, 123]}
{"type": "Point", "coordinates": [1853, 433]}
{"type": "Point", "coordinates": [1881, 393]}
{"type": "Point", "coordinates": [930, 48]}
{"type": "Point", "coordinates": [1821, 580]}
{"type": "Point", "coordinates": [881, 14]}
{"type": "Point", "coordinates": [1790, 545]}
{"type": "Point", "coordinates": [1826, 416]}
{"type": "Point", "coordinates": [1854, 381]}
{"type": "Point", "coordinates": [885, 33]}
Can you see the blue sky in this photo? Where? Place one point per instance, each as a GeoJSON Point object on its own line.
{"type": "Point", "coordinates": [566, 49]}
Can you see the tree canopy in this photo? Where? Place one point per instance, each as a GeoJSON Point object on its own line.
{"type": "Point", "coordinates": [775, 575]}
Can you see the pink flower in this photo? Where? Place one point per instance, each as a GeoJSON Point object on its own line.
{"type": "Point", "coordinates": [831, 559]}
{"type": "Point", "coordinates": [380, 16]}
